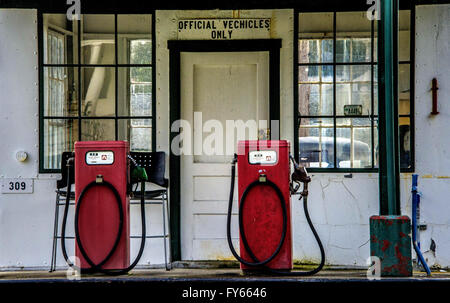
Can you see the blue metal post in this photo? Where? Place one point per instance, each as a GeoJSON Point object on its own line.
{"type": "Point", "coordinates": [415, 221]}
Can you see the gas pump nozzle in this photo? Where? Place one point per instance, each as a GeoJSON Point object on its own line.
{"type": "Point", "coordinates": [300, 175]}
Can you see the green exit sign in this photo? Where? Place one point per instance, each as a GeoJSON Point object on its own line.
{"type": "Point", "coordinates": [353, 110]}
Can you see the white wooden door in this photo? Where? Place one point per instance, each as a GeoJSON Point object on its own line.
{"type": "Point", "coordinates": [217, 86]}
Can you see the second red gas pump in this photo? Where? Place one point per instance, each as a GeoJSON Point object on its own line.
{"type": "Point", "coordinates": [265, 188]}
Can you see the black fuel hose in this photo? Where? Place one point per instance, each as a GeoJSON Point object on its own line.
{"type": "Point", "coordinates": [97, 268]}
{"type": "Point", "coordinates": [256, 262]}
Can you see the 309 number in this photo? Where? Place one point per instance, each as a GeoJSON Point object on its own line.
{"type": "Point", "coordinates": [17, 186]}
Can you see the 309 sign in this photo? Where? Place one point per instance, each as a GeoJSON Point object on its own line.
{"type": "Point", "coordinates": [17, 186]}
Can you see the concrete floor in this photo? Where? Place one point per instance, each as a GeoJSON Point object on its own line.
{"type": "Point", "coordinates": [208, 274]}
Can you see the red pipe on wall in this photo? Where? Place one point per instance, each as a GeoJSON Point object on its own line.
{"type": "Point", "coordinates": [434, 89]}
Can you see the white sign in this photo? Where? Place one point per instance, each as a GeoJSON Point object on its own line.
{"type": "Point", "coordinates": [262, 157]}
{"type": "Point", "coordinates": [99, 158]}
{"type": "Point", "coordinates": [223, 29]}
{"type": "Point", "coordinates": [17, 186]}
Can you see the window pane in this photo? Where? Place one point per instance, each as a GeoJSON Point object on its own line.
{"type": "Point", "coordinates": [134, 33]}
{"type": "Point", "coordinates": [404, 49]}
{"type": "Point", "coordinates": [343, 47]}
{"type": "Point", "coordinates": [353, 50]}
{"type": "Point", "coordinates": [353, 37]}
{"type": "Point", "coordinates": [315, 50]}
{"type": "Point", "coordinates": [60, 39]}
{"type": "Point", "coordinates": [309, 50]}
{"type": "Point", "coordinates": [404, 93]}
{"type": "Point", "coordinates": [354, 94]}
{"type": "Point", "coordinates": [138, 132]}
{"type": "Point", "coordinates": [309, 99]}
{"type": "Point", "coordinates": [59, 136]}
{"type": "Point", "coordinates": [316, 142]}
{"type": "Point", "coordinates": [135, 91]}
{"type": "Point", "coordinates": [354, 143]}
{"type": "Point", "coordinates": [353, 73]}
{"type": "Point", "coordinates": [315, 37]}
{"type": "Point", "coordinates": [404, 27]}
{"type": "Point", "coordinates": [375, 89]}
{"type": "Point", "coordinates": [375, 142]}
{"type": "Point", "coordinates": [98, 130]}
{"type": "Point", "coordinates": [316, 99]}
{"type": "Point", "coordinates": [404, 135]}
{"type": "Point", "coordinates": [308, 74]}
{"type": "Point", "coordinates": [98, 88]}
{"type": "Point", "coordinates": [98, 42]}
{"type": "Point", "coordinates": [60, 91]}
{"type": "Point", "coordinates": [361, 49]}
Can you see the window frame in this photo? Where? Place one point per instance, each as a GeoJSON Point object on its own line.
{"type": "Point", "coordinates": [334, 116]}
{"type": "Point", "coordinates": [79, 118]}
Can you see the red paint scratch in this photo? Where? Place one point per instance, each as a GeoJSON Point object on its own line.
{"type": "Point", "coordinates": [402, 264]}
{"type": "Point", "coordinates": [389, 222]}
{"type": "Point", "coordinates": [374, 239]}
{"type": "Point", "coordinates": [386, 244]}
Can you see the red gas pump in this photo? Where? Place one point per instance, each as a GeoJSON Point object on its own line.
{"type": "Point", "coordinates": [102, 220]}
{"type": "Point", "coordinates": [263, 220]}
{"type": "Point", "coordinates": [265, 189]}
{"type": "Point", "coordinates": [98, 215]}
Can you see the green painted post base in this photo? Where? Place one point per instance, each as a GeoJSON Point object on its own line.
{"type": "Point", "coordinates": [390, 241]}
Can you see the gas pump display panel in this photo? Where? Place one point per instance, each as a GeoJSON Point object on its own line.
{"type": "Point", "coordinates": [262, 157]}
{"type": "Point", "coordinates": [99, 157]}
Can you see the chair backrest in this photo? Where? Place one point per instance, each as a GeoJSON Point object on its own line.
{"type": "Point", "coordinates": [63, 182]}
{"type": "Point", "coordinates": [154, 164]}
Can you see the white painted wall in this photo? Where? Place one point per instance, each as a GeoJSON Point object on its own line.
{"type": "Point", "coordinates": [432, 132]}
{"type": "Point", "coordinates": [340, 207]}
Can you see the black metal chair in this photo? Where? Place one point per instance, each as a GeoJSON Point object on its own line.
{"type": "Point", "coordinates": [154, 164]}
{"type": "Point", "coordinates": [61, 191]}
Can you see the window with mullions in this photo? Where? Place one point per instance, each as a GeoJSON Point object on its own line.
{"type": "Point", "coordinates": [337, 91]}
{"type": "Point", "coordinates": [97, 83]}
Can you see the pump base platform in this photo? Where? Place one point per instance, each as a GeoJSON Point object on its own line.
{"type": "Point", "coordinates": [207, 271]}
{"type": "Point", "coordinates": [173, 285]}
